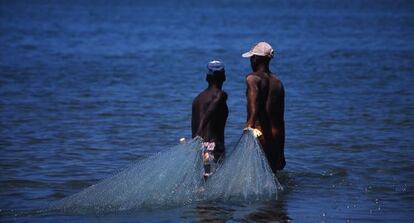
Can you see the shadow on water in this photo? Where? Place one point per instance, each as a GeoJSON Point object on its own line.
{"type": "Point", "coordinates": [269, 211]}
{"type": "Point", "coordinates": [274, 211]}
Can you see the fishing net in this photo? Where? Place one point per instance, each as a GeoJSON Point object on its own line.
{"type": "Point", "coordinates": [175, 177]}
{"type": "Point", "coordinates": [169, 178]}
{"type": "Point", "coordinates": [245, 174]}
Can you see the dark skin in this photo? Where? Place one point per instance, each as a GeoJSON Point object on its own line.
{"type": "Point", "coordinates": [209, 115]}
{"type": "Point", "coordinates": [265, 110]}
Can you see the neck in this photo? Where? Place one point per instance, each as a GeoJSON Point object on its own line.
{"type": "Point", "coordinates": [262, 68]}
{"type": "Point", "coordinates": [215, 86]}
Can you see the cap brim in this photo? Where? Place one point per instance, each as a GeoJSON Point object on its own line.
{"type": "Point", "coordinates": [247, 54]}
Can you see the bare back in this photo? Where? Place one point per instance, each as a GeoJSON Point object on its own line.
{"type": "Point", "coordinates": [275, 104]}
{"type": "Point", "coordinates": [209, 116]}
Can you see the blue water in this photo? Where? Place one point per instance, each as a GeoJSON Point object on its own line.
{"type": "Point", "coordinates": [86, 88]}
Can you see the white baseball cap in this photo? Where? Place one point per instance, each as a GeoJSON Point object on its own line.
{"type": "Point", "coordinates": [260, 49]}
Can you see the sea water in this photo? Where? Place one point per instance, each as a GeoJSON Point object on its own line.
{"type": "Point", "coordinates": [88, 88]}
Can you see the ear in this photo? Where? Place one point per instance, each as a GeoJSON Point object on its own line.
{"type": "Point", "coordinates": [253, 61]}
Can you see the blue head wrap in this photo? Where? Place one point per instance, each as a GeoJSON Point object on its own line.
{"type": "Point", "coordinates": [214, 66]}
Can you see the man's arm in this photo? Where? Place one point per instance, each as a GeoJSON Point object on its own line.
{"type": "Point", "coordinates": [252, 94]}
{"type": "Point", "coordinates": [193, 120]}
{"type": "Point", "coordinates": [217, 99]}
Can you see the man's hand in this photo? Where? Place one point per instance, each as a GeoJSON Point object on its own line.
{"type": "Point", "coordinates": [256, 132]}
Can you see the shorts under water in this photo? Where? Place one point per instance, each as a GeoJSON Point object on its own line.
{"type": "Point", "coordinates": [208, 158]}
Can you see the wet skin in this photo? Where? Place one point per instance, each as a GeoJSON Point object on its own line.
{"type": "Point", "coordinates": [209, 116]}
{"type": "Point", "coordinates": [265, 110]}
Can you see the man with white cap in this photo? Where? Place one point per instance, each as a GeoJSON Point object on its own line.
{"type": "Point", "coordinates": [209, 115]}
{"type": "Point", "coordinates": [265, 105]}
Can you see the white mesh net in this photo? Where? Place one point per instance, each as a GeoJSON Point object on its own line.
{"type": "Point", "coordinates": [244, 175]}
{"type": "Point", "coordinates": [175, 177]}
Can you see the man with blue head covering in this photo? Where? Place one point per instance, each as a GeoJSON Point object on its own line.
{"type": "Point", "coordinates": [209, 114]}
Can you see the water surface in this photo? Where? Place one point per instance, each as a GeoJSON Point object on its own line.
{"type": "Point", "coordinates": [88, 87]}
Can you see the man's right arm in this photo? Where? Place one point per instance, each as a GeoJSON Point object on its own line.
{"type": "Point", "coordinates": [252, 93]}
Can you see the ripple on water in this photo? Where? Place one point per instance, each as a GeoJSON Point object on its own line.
{"type": "Point", "coordinates": [22, 183]}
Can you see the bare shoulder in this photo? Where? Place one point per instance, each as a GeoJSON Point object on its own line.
{"type": "Point", "coordinates": [223, 95]}
{"type": "Point", "coordinates": [196, 100]}
{"type": "Point", "coordinates": [253, 78]}
{"type": "Point", "coordinates": [275, 81]}
{"type": "Point", "coordinates": [220, 95]}
{"type": "Point", "coordinates": [199, 97]}
{"type": "Point", "coordinates": [274, 77]}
